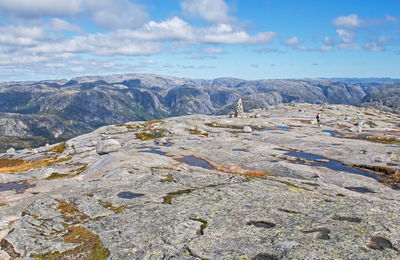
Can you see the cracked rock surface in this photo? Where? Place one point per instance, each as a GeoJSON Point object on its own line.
{"type": "Point", "coordinates": [287, 190]}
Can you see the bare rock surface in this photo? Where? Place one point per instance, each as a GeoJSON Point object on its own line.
{"type": "Point", "coordinates": [198, 187]}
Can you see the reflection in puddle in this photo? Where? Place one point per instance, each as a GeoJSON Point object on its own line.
{"type": "Point", "coordinates": [311, 184]}
{"type": "Point", "coordinates": [266, 129]}
{"type": "Point", "coordinates": [129, 195]}
{"type": "Point", "coordinates": [240, 150]}
{"type": "Point", "coordinates": [337, 166]}
{"type": "Point", "coordinates": [359, 189]}
{"type": "Point", "coordinates": [194, 161]}
{"type": "Point", "coordinates": [308, 156]}
{"type": "Point", "coordinates": [256, 134]}
{"type": "Point", "coordinates": [333, 133]}
{"type": "Point", "coordinates": [332, 164]}
{"type": "Point", "coordinates": [19, 187]}
{"type": "Point", "coordinates": [153, 151]}
{"type": "Point", "coordinates": [286, 128]}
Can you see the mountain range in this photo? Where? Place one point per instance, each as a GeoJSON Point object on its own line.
{"type": "Point", "coordinates": [33, 113]}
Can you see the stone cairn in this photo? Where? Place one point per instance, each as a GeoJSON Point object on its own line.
{"type": "Point", "coordinates": [239, 112]}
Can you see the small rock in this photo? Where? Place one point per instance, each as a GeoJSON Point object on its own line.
{"type": "Point", "coordinates": [161, 141]}
{"type": "Point", "coordinates": [257, 115]}
{"type": "Point", "coordinates": [47, 146]}
{"type": "Point", "coordinates": [11, 150]}
{"type": "Point", "coordinates": [34, 151]}
{"type": "Point", "coordinates": [107, 146]}
{"type": "Point", "coordinates": [247, 129]}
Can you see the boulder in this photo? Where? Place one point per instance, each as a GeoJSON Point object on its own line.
{"type": "Point", "coordinates": [10, 150]}
{"type": "Point", "coordinates": [107, 146]}
{"type": "Point", "coordinates": [247, 129]}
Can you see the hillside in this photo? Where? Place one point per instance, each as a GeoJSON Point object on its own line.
{"type": "Point", "coordinates": [271, 185]}
{"type": "Point", "coordinates": [34, 113]}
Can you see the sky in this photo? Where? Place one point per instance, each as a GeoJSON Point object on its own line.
{"type": "Point", "coordinates": [249, 39]}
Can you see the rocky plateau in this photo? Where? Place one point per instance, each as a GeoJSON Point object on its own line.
{"type": "Point", "coordinates": [269, 185]}
{"type": "Point", "coordinates": [35, 113]}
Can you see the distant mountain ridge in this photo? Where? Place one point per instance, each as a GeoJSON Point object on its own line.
{"type": "Point", "coordinates": [57, 110]}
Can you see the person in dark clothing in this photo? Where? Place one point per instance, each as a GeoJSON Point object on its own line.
{"type": "Point", "coordinates": [318, 118]}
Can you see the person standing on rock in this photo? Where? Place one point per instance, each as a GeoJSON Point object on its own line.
{"type": "Point", "coordinates": [318, 119]}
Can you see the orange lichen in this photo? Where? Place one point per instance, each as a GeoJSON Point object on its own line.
{"type": "Point", "coordinates": [18, 165]}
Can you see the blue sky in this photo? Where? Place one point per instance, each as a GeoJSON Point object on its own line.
{"type": "Point", "coordinates": [250, 39]}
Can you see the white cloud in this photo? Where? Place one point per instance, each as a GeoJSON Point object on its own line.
{"type": "Point", "coordinates": [112, 14]}
{"type": "Point", "coordinates": [293, 41]}
{"type": "Point", "coordinates": [328, 41]}
{"type": "Point", "coordinates": [39, 8]}
{"type": "Point", "coordinates": [374, 46]}
{"type": "Point", "coordinates": [21, 35]}
{"type": "Point", "coordinates": [213, 11]}
{"type": "Point", "coordinates": [211, 51]}
{"type": "Point", "coordinates": [349, 21]}
{"type": "Point", "coordinates": [392, 19]}
{"type": "Point", "coordinates": [57, 24]}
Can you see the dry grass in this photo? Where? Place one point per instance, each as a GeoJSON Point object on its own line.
{"type": "Point", "coordinates": [305, 121]}
{"type": "Point", "coordinates": [370, 123]}
{"type": "Point", "coordinates": [3, 204]}
{"type": "Point", "coordinates": [109, 206]}
{"type": "Point", "coordinates": [197, 132]}
{"type": "Point", "coordinates": [381, 140]}
{"type": "Point", "coordinates": [18, 165]}
{"type": "Point", "coordinates": [60, 148]}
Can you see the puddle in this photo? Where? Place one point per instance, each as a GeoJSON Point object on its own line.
{"type": "Point", "coordinates": [256, 134]}
{"type": "Point", "coordinates": [240, 150]}
{"type": "Point", "coordinates": [301, 155]}
{"type": "Point", "coordinates": [363, 135]}
{"type": "Point", "coordinates": [19, 187]}
{"type": "Point", "coordinates": [277, 133]}
{"type": "Point", "coordinates": [359, 189]}
{"type": "Point", "coordinates": [129, 195]}
{"type": "Point", "coordinates": [153, 151]}
{"type": "Point", "coordinates": [333, 133]}
{"type": "Point", "coordinates": [311, 184]}
{"type": "Point", "coordinates": [286, 128]}
{"type": "Point", "coordinates": [194, 161]}
{"type": "Point", "coordinates": [337, 166]}
{"type": "Point", "coordinates": [301, 137]}
{"type": "Point", "coordinates": [168, 144]}
{"type": "Point", "coordinates": [332, 164]}
{"type": "Point", "coordinates": [149, 147]}
{"type": "Point", "coordinates": [266, 129]}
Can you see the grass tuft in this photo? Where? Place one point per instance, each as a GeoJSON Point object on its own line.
{"type": "Point", "coordinates": [60, 148]}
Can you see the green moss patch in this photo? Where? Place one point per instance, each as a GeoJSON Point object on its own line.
{"type": "Point", "coordinates": [149, 136]}
{"type": "Point", "coordinates": [169, 178]}
{"type": "Point", "coordinates": [203, 224]}
{"type": "Point", "coordinates": [90, 248]}
{"type": "Point", "coordinates": [81, 169]}
{"type": "Point", "coordinates": [171, 195]}
{"type": "Point", "coordinates": [56, 175]}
